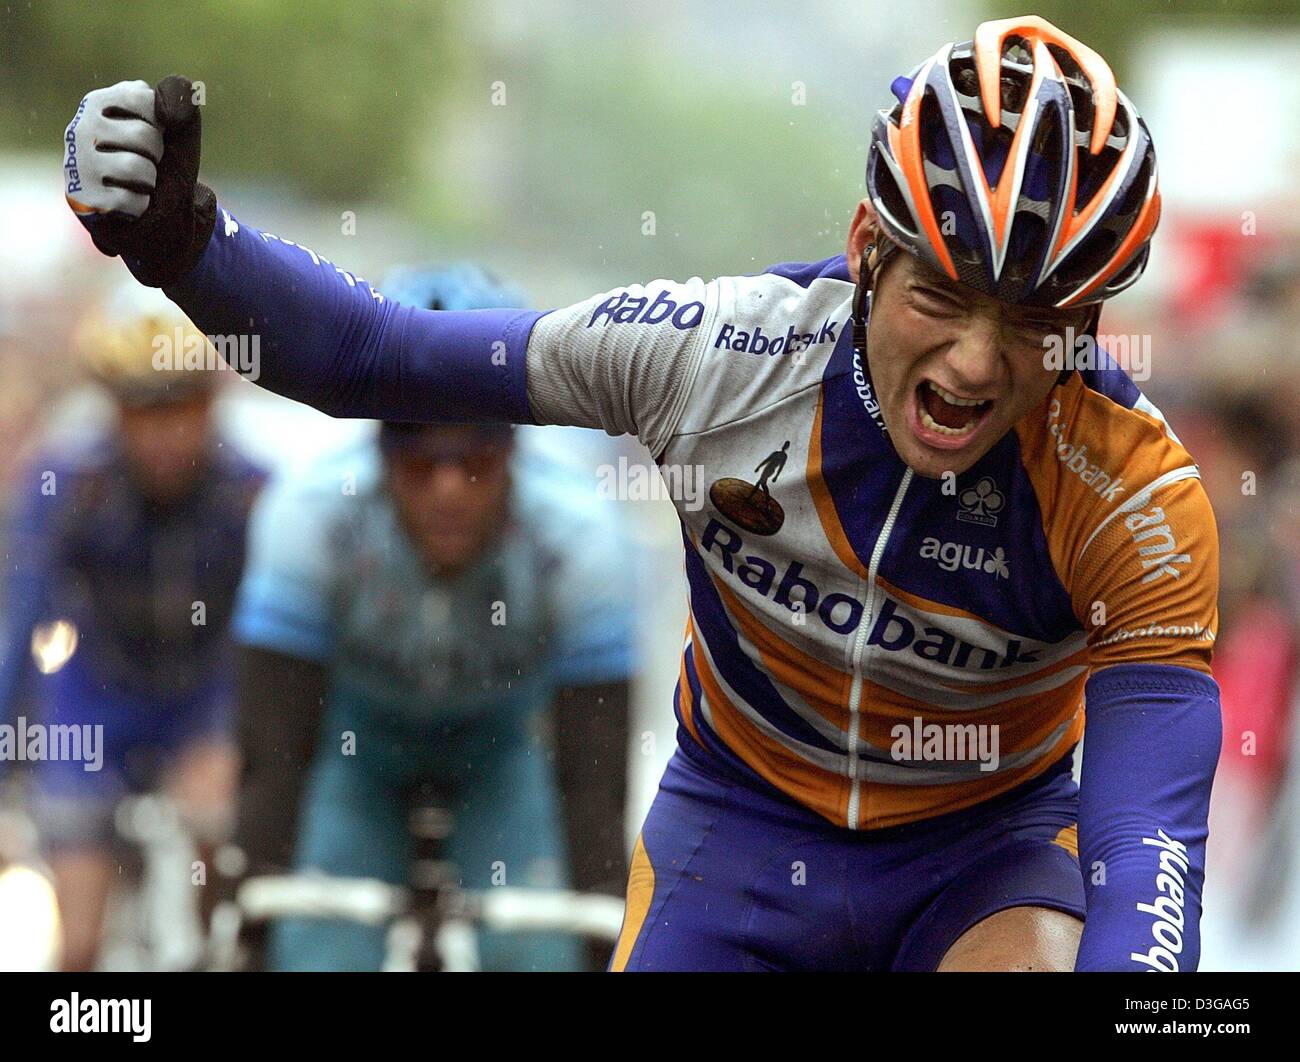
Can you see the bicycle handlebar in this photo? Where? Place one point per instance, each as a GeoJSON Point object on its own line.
{"type": "Point", "coordinates": [510, 910]}
{"type": "Point", "coordinates": [372, 902]}
{"type": "Point", "coordinates": [364, 900]}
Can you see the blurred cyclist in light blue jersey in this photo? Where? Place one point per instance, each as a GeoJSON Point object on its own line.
{"type": "Point", "coordinates": [435, 616]}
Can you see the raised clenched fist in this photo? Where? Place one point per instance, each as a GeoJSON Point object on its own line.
{"type": "Point", "coordinates": [131, 175]}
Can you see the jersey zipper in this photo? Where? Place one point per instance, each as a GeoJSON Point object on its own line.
{"type": "Point", "coordinates": [859, 650]}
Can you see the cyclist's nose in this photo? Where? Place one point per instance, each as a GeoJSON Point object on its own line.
{"type": "Point", "coordinates": [448, 478]}
{"type": "Point", "coordinates": [975, 357]}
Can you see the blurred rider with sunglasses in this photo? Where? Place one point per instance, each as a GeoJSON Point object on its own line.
{"type": "Point", "coordinates": [434, 616]}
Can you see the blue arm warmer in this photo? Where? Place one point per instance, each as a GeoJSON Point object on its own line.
{"type": "Point", "coordinates": [299, 326]}
{"type": "Point", "coordinates": [1149, 754]}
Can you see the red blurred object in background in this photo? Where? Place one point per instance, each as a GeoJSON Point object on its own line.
{"type": "Point", "coordinates": [1213, 257]}
{"type": "Point", "coordinates": [1254, 664]}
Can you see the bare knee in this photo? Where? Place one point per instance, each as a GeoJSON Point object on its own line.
{"type": "Point", "coordinates": [82, 881]}
{"type": "Point", "coordinates": [1019, 939]}
{"type": "Point", "coordinates": [203, 784]}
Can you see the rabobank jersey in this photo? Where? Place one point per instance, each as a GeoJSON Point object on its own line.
{"type": "Point", "coordinates": [839, 603]}
{"type": "Point", "coordinates": [333, 578]}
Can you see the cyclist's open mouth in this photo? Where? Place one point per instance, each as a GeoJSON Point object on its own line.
{"type": "Point", "coordinates": [945, 420]}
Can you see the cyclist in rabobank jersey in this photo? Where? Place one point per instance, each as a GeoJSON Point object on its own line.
{"type": "Point", "coordinates": [926, 542]}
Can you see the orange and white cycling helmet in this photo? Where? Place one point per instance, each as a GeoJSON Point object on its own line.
{"type": "Point", "coordinates": [1013, 163]}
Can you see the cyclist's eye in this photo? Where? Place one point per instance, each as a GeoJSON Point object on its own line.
{"type": "Point", "coordinates": [931, 300]}
{"type": "Point", "coordinates": [414, 469]}
{"type": "Point", "coordinates": [1033, 328]}
{"type": "Point", "coordinates": [1035, 332]}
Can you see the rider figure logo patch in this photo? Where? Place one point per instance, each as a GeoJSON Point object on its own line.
{"type": "Point", "coordinates": [749, 505]}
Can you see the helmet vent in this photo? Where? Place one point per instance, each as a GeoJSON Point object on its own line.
{"type": "Point", "coordinates": [1069, 68]}
{"type": "Point", "coordinates": [1016, 50]}
{"type": "Point", "coordinates": [1135, 193]}
{"type": "Point", "coordinates": [1084, 112]}
{"type": "Point", "coordinates": [1120, 128]}
{"type": "Point", "coordinates": [966, 80]}
{"type": "Point", "coordinates": [1093, 171]}
{"type": "Point", "coordinates": [1130, 272]}
{"type": "Point", "coordinates": [1014, 91]}
{"type": "Point", "coordinates": [891, 199]}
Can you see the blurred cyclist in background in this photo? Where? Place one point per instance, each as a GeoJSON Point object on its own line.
{"type": "Point", "coordinates": [434, 617]}
{"type": "Point", "coordinates": [122, 565]}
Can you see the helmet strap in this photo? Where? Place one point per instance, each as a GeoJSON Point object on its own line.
{"type": "Point", "coordinates": [873, 257]}
{"type": "Point", "coordinates": [860, 300]}
{"type": "Point", "coordinates": [1089, 330]}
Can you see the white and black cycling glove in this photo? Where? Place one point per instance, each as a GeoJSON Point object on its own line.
{"type": "Point", "coordinates": [131, 175]}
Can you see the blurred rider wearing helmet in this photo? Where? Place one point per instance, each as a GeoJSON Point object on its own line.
{"type": "Point", "coordinates": [459, 605]}
{"type": "Point", "coordinates": [126, 549]}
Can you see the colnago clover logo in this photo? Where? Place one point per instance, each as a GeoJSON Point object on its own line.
{"type": "Point", "coordinates": [981, 503]}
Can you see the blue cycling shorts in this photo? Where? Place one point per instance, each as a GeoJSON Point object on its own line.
{"type": "Point", "coordinates": [730, 874]}
{"type": "Point", "coordinates": [138, 740]}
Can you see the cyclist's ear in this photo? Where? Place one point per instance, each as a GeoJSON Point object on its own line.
{"type": "Point", "coordinates": [864, 230]}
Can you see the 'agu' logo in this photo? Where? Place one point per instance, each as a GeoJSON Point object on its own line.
{"type": "Point", "coordinates": [953, 555]}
